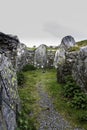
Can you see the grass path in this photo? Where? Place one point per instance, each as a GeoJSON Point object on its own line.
{"type": "Point", "coordinates": [49, 118]}
{"type": "Point", "coordinates": [42, 103]}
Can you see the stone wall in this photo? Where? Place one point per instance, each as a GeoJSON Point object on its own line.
{"type": "Point", "coordinates": [9, 99]}
{"type": "Point", "coordinates": [72, 63]}
{"type": "Point", "coordinates": [79, 71]}
{"type": "Point", "coordinates": [65, 68]}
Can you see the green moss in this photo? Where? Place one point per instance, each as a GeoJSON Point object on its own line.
{"type": "Point", "coordinates": [31, 48]}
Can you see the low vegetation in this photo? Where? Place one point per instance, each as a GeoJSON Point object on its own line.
{"type": "Point", "coordinates": [68, 99]}
{"type": "Point", "coordinates": [75, 97]}
{"type": "Point", "coordinates": [21, 79]}
{"type": "Point", "coordinates": [27, 80]}
{"type": "Point", "coordinates": [78, 46]}
{"type": "Point", "coordinates": [82, 43]}
{"type": "Point", "coordinates": [32, 48]}
{"type": "Point", "coordinates": [74, 48]}
{"type": "Point", "coordinates": [28, 67]}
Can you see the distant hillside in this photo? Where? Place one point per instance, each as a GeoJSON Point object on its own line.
{"type": "Point", "coordinates": [78, 46]}
{"type": "Point", "coordinates": [82, 43]}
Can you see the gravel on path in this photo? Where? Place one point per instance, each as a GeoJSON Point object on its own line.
{"type": "Point", "coordinates": [49, 118]}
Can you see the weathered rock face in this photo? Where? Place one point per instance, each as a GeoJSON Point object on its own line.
{"type": "Point", "coordinates": [67, 42]}
{"type": "Point", "coordinates": [31, 57]}
{"type": "Point", "coordinates": [8, 46]}
{"type": "Point", "coordinates": [40, 57]}
{"type": "Point", "coordinates": [22, 56]}
{"type": "Point", "coordinates": [66, 67]}
{"type": "Point", "coordinates": [75, 64]}
{"type": "Point", "coordinates": [79, 70]}
{"type": "Point", "coordinates": [59, 57]}
{"type": "Point", "coordinates": [16, 51]}
{"type": "Point", "coordinates": [50, 58]}
{"type": "Point", "coordinates": [9, 99]}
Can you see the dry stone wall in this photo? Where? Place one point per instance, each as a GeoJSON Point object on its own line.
{"type": "Point", "coordinates": [71, 63]}
{"type": "Point", "coordinates": [79, 71]}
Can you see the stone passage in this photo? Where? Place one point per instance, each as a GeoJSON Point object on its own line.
{"type": "Point", "coordinates": [49, 118]}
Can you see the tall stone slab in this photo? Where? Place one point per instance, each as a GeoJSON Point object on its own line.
{"type": "Point", "coordinates": [66, 43]}
{"type": "Point", "coordinates": [22, 56]}
{"type": "Point", "coordinates": [40, 57]}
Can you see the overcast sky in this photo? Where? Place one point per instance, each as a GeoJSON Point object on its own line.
{"type": "Point", "coordinates": [44, 21]}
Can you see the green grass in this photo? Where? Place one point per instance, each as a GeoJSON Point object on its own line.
{"type": "Point", "coordinates": [29, 98]}
{"type": "Point", "coordinates": [31, 48]}
{"type": "Point", "coordinates": [55, 91]}
{"type": "Point", "coordinates": [74, 48]}
{"type": "Point", "coordinates": [78, 46]}
{"type": "Point", "coordinates": [52, 49]}
{"type": "Point", "coordinates": [82, 43]}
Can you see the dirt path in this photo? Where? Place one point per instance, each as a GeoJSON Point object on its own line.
{"type": "Point", "coordinates": [49, 118]}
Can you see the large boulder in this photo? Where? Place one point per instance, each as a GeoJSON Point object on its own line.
{"type": "Point", "coordinates": [66, 43]}
{"type": "Point", "coordinates": [40, 57]}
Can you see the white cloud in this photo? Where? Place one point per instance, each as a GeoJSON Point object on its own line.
{"type": "Point", "coordinates": [44, 19]}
